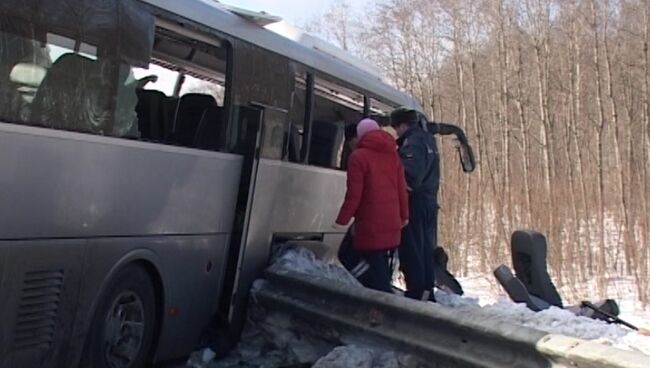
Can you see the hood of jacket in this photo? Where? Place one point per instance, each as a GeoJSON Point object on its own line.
{"type": "Point", "coordinates": [378, 141]}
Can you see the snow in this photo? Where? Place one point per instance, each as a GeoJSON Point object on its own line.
{"type": "Point", "coordinates": [620, 288]}
{"type": "Point", "coordinates": [304, 261]}
{"type": "Point", "coordinates": [270, 340]}
{"type": "Point", "coordinates": [274, 340]}
{"type": "Point", "coordinates": [359, 357]}
{"type": "Point", "coordinates": [485, 288]}
{"type": "Point", "coordinates": [553, 320]}
{"type": "Point", "coordinates": [493, 300]}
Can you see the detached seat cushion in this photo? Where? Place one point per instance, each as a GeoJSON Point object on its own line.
{"type": "Point", "coordinates": [444, 278]}
{"type": "Point", "coordinates": [517, 291]}
{"type": "Point", "coordinates": [532, 284]}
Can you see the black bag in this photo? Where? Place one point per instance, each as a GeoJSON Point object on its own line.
{"type": "Point", "coordinates": [444, 279]}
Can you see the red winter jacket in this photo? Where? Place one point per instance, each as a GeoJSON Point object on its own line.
{"type": "Point", "coordinates": [376, 195]}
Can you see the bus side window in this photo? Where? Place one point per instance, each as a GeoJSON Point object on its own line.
{"type": "Point", "coordinates": [298, 119]}
{"type": "Point", "coordinates": [274, 134]}
{"type": "Point", "coordinates": [181, 98]}
{"type": "Point", "coordinates": [154, 88]}
{"type": "Point", "coordinates": [62, 83]}
{"type": "Point", "coordinates": [334, 108]}
{"type": "Point", "coordinates": [68, 84]}
{"type": "Point", "coordinates": [380, 112]}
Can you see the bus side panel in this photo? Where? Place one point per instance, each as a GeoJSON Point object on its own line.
{"type": "Point", "coordinates": [191, 269]}
{"type": "Point", "coordinates": [58, 184]}
{"type": "Point", "coordinates": [289, 198]}
{"type": "Point", "coordinates": [302, 198]}
{"type": "Point", "coordinates": [39, 286]}
{"type": "Point", "coordinates": [118, 197]}
{"type": "Point", "coordinates": [194, 279]}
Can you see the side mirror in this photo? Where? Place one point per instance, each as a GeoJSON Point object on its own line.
{"type": "Point", "coordinates": [465, 152]}
{"type": "Point", "coordinates": [466, 156]}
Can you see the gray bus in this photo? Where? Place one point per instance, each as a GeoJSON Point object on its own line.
{"type": "Point", "coordinates": [151, 151]}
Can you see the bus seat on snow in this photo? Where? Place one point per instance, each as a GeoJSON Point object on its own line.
{"type": "Point", "coordinates": [532, 285]}
{"type": "Point", "coordinates": [529, 252]}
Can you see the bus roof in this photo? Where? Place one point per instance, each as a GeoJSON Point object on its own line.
{"type": "Point", "coordinates": [213, 15]}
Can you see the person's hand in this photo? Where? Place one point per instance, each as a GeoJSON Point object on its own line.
{"type": "Point", "coordinates": [145, 80]}
{"type": "Point", "coordinates": [404, 223]}
{"type": "Point", "coordinates": [150, 78]}
{"type": "Point", "coordinates": [336, 226]}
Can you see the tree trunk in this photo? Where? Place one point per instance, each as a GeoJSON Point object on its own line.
{"type": "Point", "coordinates": [523, 127]}
{"type": "Point", "coordinates": [600, 128]}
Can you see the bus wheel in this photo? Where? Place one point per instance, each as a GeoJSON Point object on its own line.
{"type": "Point", "coordinates": [122, 328]}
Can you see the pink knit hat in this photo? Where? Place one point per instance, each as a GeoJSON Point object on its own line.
{"type": "Point", "coordinates": [366, 126]}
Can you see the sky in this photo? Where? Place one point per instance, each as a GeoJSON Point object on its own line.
{"type": "Point", "coordinates": [295, 12]}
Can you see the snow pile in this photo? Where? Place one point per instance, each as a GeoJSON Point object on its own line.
{"type": "Point", "coordinates": [358, 357]}
{"type": "Point", "coordinates": [556, 321]}
{"type": "Point", "coordinates": [275, 340]}
{"type": "Point", "coordinates": [621, 288]}
{"type": "Point", "coordinates": [560, 321]}
{"type": "Point", "coordinates": [290, 259]}
{"type": "Point", "coordinates": [553, 320]}
{"type": "Point", "coordinates": [485, 288]}
{"type": "Point", "coordinates": [270, 340]}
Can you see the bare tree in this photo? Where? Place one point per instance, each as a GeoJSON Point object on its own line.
{"type": "Point", "coordinates": [555, 97]}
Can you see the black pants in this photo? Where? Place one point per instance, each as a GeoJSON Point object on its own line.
{"type": "Point", "coordinates": [419, 238]}
{"type": "Point", "coordinates": [372, 269]}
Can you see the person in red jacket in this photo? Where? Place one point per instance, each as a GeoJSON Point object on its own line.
{"type": "Point", "coordinates": [376, 198]}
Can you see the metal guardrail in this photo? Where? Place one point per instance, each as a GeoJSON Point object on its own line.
{"type": "Point", "coordinates": [572, 352]}
{"type": "Point", "coordinates": [442, 336]}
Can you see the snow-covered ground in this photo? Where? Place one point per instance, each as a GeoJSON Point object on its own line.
{"type": "Point", "coordinates": [274, 340]}
{"type": "Point", "coordinates": [487, 293]}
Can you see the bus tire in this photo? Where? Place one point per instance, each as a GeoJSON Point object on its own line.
{"type": "Point", "coordinates": [122, 329]}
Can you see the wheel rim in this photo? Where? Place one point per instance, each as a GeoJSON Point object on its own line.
{"type": "Point", "coordinates": [124, 330]}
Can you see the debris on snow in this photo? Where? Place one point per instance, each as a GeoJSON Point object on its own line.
{"type": "Point", "coordinates": [274, 340]}
{"type": "Point", "coordinates": [553, 320]}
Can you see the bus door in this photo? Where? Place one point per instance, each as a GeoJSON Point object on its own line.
{"type": "Point", "coordinates": [260, 127]}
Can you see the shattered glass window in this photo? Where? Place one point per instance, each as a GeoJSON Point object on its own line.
{"type": "Point", "coordinates": [60, 85]}
{"type": "Point", "coordinates": [69, 67]}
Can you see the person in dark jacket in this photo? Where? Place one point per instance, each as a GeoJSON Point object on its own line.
{"type": "Point", "coordinates": [419, 155]}
{"type": "Point", "coordinates": [376, 198]}
{"type": "Point", "coordinates": [351, 141]}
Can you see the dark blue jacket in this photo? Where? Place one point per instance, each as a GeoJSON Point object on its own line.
{"type": "Point", "coordinates": [421, 160]}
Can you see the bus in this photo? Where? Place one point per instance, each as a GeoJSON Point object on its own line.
{"type": "Point", "coordinates": [151, 151]}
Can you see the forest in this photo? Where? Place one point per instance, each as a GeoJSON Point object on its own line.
{"type": "Point", "coordinates": [555, 98]}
